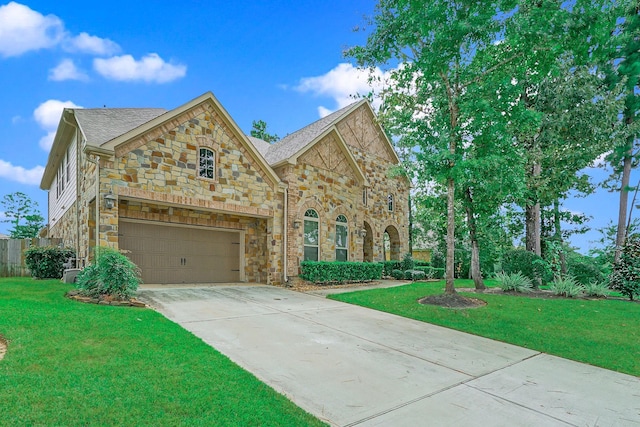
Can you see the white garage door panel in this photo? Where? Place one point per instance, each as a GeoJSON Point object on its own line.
{"type": "Point", "coordinates": [167, 254]}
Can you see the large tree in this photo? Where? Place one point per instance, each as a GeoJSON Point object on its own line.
{"type": "Point", "coordinates": [625, 69]}
{"type": "Point", "coordinates": [431, 48]}
{"type": "Point", "coordinates": [23, 214]}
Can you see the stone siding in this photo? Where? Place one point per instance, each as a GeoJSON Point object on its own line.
{"type": "Point", "coordinates": [159, 171]}
{"type": "Point", "coordinates": [66, 228]}
{"type": "Point", "coordinates": [324, 180]}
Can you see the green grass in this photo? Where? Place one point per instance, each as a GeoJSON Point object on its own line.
{"type": "Point", "coordinates": [70, 363]}
{"type": "Point", "coordinates": [604, 333]}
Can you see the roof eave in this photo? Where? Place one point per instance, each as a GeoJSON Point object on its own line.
{"type": "Point", "coordinates": [66, 129]}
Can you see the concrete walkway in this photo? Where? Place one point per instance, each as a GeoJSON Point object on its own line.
{"type": "Point", "coordinates": [350, 365]}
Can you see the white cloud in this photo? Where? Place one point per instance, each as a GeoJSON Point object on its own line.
{"type": "Point", "coordinates": [47, 115]}
{"type": "Point", "coordinates": [343, 83]}
{"type": "Point", "coordinates": [150, 68]}
{"type": "Point", "coordinates": [20, 174]}
{"type": "Point", "coordinates": [23, 29]}
{"type": "Point", "coordinates": [67, 70]}
{"type": "Point", "coordinates": [86, 43]}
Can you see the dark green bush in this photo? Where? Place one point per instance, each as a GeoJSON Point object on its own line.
{"type": "Point", "coordinates": [112, 274]}
{"type": "Point", "coordinates": [414, 275]}
{"type": "Point", "coordinates": [397, 274]}
{"type": "Point", "coordinates": [421, 263]}
{"type": "Point", "coordinates": [626, 272]}
{"type": "Point", "coordinates": [340, 272]}
{"type": "Point", "coordinates": [389, 266]}
{"type": "Point", "coordinates": [431, 272]}
{"type": "Point", "coordinates": [525, 262]}
{"type": "Point", "coordinates": [47, 262]}
{"type": "Point", "coordinates": [407, 262]}
{"type": "Point", "coordinates": [585, 272]}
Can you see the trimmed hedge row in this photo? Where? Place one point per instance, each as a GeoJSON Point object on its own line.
{"type": "Point", "coordinates": [340, 272]}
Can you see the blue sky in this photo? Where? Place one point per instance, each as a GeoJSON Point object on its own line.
{"type": "Point", "coordinates": [278, 61]}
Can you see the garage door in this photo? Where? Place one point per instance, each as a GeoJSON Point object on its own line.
{"type": "Point", "coordinates": [167, 254]}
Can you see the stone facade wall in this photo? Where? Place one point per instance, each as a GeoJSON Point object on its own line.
{"type": "Point", "coordinates": [324, 180]}
{"type": "Point", "coordinates": [159, 170]}
{"type": "Point", "coordinates": [66, 228]}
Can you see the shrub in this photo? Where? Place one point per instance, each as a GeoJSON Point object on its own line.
{"type": "Point", "coordinates": [585, 272]}
{"type": "Point", "coordinates": [418, 263]}
{"type": "Point", "coordinates": [111, 274]}
{"type": "Point", "coordinates": [397, 274]}
{"type": "Point", "coordinates": [340, 272]}
{"type": "Point", "coordinates": [431, 272]}
{"type": "Point", "coordinates": [516, 282]}
{"type": "Point", "coordinates": [566, 286]}
{"type": "Point", "coordinates": [414, 275]}
{"type": "Point", "coordinates": [389, 266]}
{"type": "Point", "coordinates": [626, 272]}
{"type": "Point", "coordinates": [525, 262]}
{"type": "Point", "coordinates": [596, 289]}
{"type": "Point", "coordinates": [47, 262]}
{"type": "Point", "coordinates": [407, 262]}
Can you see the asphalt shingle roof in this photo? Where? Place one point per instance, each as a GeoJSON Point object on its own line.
{"type": "Point", "coordinates": [261, 145]}
{"type": "Point", "coordinates": [101, 125]}
{"type": "Point", "coordinates": [291, 144]}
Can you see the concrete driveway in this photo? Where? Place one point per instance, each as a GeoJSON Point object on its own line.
{"type": "Point", "coordinates": [355, 366]}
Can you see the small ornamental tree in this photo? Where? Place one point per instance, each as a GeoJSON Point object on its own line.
{"type": "Point", "coordinates": [626, 272]}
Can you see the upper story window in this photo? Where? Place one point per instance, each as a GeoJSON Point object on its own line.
{"type": "Point", "coordinates": [365, 196]}
{"type": "Point", "coordinates": [390, 205]}
{"type": "Point", "coordinates": [69, 154]}
{"type": "Point", "coordinates": [311, 237]}
{"type": "Point", "coordinates": [342, 234]}
{"type": "Point", "coordinates": [61, 177]}
{"type": "Point", "coordinates": [207, 162]}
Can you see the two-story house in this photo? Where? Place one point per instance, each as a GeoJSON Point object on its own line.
{"type": "Point", "coordinates": [192, 199]}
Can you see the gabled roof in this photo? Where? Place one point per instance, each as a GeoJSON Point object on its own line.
{"type": "Point", "coordinates": [261, 145]}
{"type": "Point", "coordinates": [290, 145]}
{"type": "Point", "coordinates": [100, 125]}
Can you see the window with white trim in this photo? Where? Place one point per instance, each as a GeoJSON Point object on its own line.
{"type": "Point", "coordinates": [207, 162]}
{"type": "Point", "coordinates": [311, 237]}
{"type": "Point", "coordinates": [342, 236]}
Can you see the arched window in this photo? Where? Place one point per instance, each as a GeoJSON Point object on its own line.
{"type": "Point", "coordinates": [311, 237]}
{"type": "Point", "coordinates": [207, 160]}
{"type": "Point", "coordinates": [342, 234]}
{"type": "Point", "coordinates": [390, 202]}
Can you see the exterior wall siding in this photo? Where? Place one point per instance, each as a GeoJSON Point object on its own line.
{"type": "Point", "coordinates": [60, 204]}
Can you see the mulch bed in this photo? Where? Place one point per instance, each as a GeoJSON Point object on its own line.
{"type": "Point", "coordinates": [452, 301]}
{"type": "Point", "coordinates": [104, 300]}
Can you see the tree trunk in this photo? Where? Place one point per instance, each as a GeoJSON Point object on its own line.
{"type": "Point", "coordinates": [622, 207]}
{"type": "Point", "coordinates": [451, 238]}
{"type": "Point", "coordinates": [476, 273]}
{"type": "Point", "coordinates": [532, 228]}
{"type": "Point", "coordinates": [558, 237]}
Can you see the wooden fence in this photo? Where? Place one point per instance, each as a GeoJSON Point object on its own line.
{"type": "Point", "coordinates": [12, 262]}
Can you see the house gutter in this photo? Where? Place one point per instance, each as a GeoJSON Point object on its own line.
{"type": "Point", "coordinates": [77, 189]}
{"type": "Point", "coordinates": [96, 162]}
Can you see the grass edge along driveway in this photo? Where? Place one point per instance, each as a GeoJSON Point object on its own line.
{"type": "Point", "coordinates": [70, 363]}
{"type": "Point", "coordinates": [600, 332]}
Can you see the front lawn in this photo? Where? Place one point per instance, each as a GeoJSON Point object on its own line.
{"type": "Point", "coordinates": [70, 363]}
{"type": "Point", "coordinates": [604, 333]}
